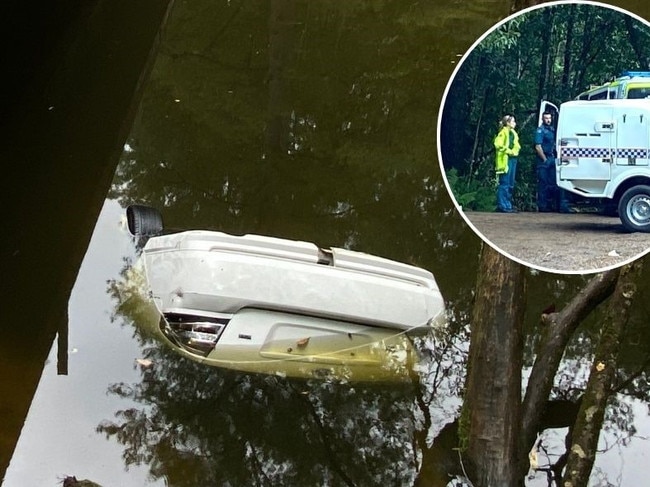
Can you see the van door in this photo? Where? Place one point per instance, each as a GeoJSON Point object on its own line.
{"type": "Point", "coordinates": [631, 137]}
{"type": "Point", "coordinates": [586, 139]}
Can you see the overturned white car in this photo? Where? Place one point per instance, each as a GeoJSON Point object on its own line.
{"type": "Point", "coordinates": [268, 304]}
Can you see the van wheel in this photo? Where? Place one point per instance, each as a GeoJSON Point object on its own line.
{"type": "Point", "coordinates": [144, 221]}
{"type": "Point", "coordinates": [634, 209]}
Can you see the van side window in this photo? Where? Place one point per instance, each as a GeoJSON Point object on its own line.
{"type": "Point", "coordinates": [638, 93]}
{"type": "Point", "coordinates": [599, 95]}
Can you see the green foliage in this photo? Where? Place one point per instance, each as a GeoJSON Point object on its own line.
{"type": "Point", "coordinates": [323, 122]}
{"type": "Point", "coordinates": [551, 53]}
{"type": "Point", "coordinates": [505, 37]}
{"type": "Point", "coordinates": [476, 194]}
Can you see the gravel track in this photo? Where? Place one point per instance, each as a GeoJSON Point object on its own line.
{"type": "Point", "coordinates": [566, 243]}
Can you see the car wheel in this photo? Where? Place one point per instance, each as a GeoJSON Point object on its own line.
{"type": "Point", "coordinates": [144, 221]}
{"type": "Point", "coordinates": [634, 209]}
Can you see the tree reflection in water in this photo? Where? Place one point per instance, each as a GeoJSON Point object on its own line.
{"type": "Point", "coordinates": [321, 130]}
{"type": "Point", "coordinates": [201, 425]}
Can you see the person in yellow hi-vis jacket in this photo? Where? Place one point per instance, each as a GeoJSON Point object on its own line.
{"type": "Point", "coordinates": [507, 148]}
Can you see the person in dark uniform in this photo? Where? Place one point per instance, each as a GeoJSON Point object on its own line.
{"type": "Point", "coordinates": [545, 149]}
{"type": "Point", "coordinates": [549, 196]}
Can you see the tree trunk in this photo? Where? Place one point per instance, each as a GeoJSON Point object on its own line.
{"type": "Point", "coordinates": [479, 123]}
{"type": "Point", "coordinates": [491, 409]}
{"type": "Point", "coordinates": [282, 29]}
{"type": "Point", "coordinates": [545, 54]}
{"type": "Point", "coordinates": [599, 387]}
{"type": "Point", "coordinates": [637, 43]}
{"type": "Point", "coordinates": [594, 42]}
{"type": "Point", "coordinates": [568, 48]}
{"type": "Point", "coordinates": [559, 328]}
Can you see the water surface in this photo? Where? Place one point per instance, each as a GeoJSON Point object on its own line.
{"type": "Point", "coordinates": [304, 120]}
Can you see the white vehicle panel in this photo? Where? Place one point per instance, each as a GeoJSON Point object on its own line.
{"type": "Point", "coordinates": [213, 272]}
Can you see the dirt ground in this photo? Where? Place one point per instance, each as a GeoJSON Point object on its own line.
{"type": "Point", "coordinates": [573, 243]}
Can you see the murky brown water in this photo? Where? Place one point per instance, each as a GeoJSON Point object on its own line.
{"type": "Point", "coordinates": [303, 120]}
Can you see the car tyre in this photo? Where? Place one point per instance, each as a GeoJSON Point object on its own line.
{"type": "Point", "coordinates": [144, 221]}
{"type": "Point", "coordinates": [634, 209]}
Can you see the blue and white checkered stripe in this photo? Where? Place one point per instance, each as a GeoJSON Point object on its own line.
{"type": "Point", "coordinates": [637, 153]}
{"type": "Point", "coordinates": [596, 152]}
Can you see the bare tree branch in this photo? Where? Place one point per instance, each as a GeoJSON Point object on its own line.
{"type": "Point", "coordinates": [559, 328]}
{"type": "Point", "coordinates": [599, 388]}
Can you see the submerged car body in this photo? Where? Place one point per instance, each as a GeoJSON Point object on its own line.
{"type": "Point", "coordinates": [269, 304]}
{"type": "Point", "coordinates": [200, 271]}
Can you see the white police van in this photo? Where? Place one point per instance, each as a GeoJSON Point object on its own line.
{"type": "Point", "coordinates": [603, 149]}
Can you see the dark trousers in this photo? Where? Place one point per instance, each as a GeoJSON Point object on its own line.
{"type": "Point", "coordinates": [546, 186]}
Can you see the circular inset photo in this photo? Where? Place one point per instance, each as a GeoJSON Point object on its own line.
{"type": "Point", "coordinates": [544, 137]}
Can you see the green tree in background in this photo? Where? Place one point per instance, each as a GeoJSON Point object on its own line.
{"type": "Point", "coordinates": [551, 53]}
{"type": "Point", "coordinates": [315, 120]}
{"type": "Point", "coordinates": [286, 118]}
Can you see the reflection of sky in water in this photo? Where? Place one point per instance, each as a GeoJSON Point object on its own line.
{"type": "Point", "coordinates": [624, 464]}
{"type": "Point", "coordinates": [619, 459]}
{"type": "Point", "coordinates": [59, 437]}
{"type": "Point", "coordinates": [616, 463]}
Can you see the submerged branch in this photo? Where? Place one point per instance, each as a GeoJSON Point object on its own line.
{"type": "Point", "coordinates": [559, 328]}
